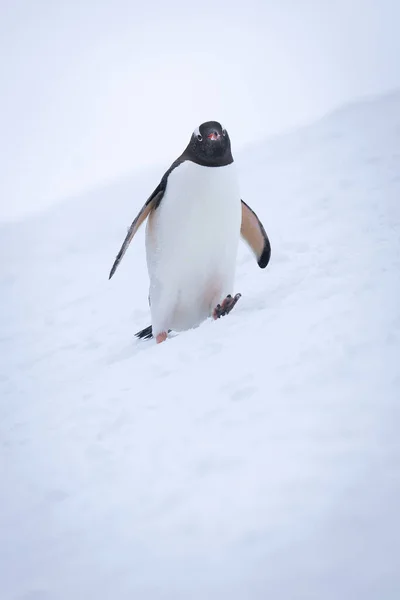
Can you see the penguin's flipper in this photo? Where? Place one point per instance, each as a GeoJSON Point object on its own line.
{"type": "Point", "coordinates": [253, 232]}
{"type": "Point", "coordinates": [151, 203]}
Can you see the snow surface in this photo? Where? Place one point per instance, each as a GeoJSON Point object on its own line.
{"type": "Point", "coordinates": [254, 457]}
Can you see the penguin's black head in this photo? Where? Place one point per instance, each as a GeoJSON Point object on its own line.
{"type": "Point", "coordinates": [210, 145]}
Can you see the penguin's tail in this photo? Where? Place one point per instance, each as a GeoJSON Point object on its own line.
{"type": "Point", "coordinates": [145, 334]}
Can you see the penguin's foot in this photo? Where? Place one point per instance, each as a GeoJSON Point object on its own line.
{"type": "Point", "coordinates": [161, 337]}
{"type": "Point", "coordinates": [225, 308]}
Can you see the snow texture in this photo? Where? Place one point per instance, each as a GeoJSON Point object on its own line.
{"type": "Point", "coordinates": [255, 457]}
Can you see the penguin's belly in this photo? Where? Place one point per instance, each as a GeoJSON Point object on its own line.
{"type": "Point", "coordinates": [191, 245]}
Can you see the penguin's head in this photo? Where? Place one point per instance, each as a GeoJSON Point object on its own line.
{"type": "Point", "coordinates": [210, 145]}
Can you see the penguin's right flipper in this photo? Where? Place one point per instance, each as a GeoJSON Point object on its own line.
{"type": "Point", "coordinates": [253, 232]}
{"type": "Point", "coordinates": [151, 203]}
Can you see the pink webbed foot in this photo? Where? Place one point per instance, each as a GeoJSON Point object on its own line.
{"type": "Point", "coordinates": [161, 337]}
{"type": "Point", "coordinates": [225, 308]}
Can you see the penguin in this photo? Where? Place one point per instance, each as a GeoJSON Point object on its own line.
{"type": "Point", "coordinates": [195, 219]}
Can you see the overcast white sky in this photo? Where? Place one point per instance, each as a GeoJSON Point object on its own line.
{"type": "Point", "coordinates": [93, 89]}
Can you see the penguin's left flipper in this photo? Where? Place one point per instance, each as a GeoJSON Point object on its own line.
{"type": "Point", "coordinates": [253, 232]}
{"type": "Point", "coordinates": [151, 203]}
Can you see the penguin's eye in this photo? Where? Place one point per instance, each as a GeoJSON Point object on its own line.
{"type": "Point", "coordinates": [199, 137]}
{"type": "Point", "coordinates": [224, 132]}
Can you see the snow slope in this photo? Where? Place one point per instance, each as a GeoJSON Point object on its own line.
{"type": "Point", "coordinates": [255, 457]}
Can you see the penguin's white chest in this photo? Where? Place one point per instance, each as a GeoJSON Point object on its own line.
{"type": "Point", "coordinates": [191, 244]}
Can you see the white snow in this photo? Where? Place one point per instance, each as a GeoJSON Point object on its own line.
{"type": "Point", "coordinates": [255, 457]}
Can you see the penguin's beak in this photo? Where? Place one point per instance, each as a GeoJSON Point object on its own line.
{"type": "Point", "coordinates": [214, 135]}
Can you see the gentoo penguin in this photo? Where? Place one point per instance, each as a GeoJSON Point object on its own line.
{"type": "Point", "coordinates": [195, 217]}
